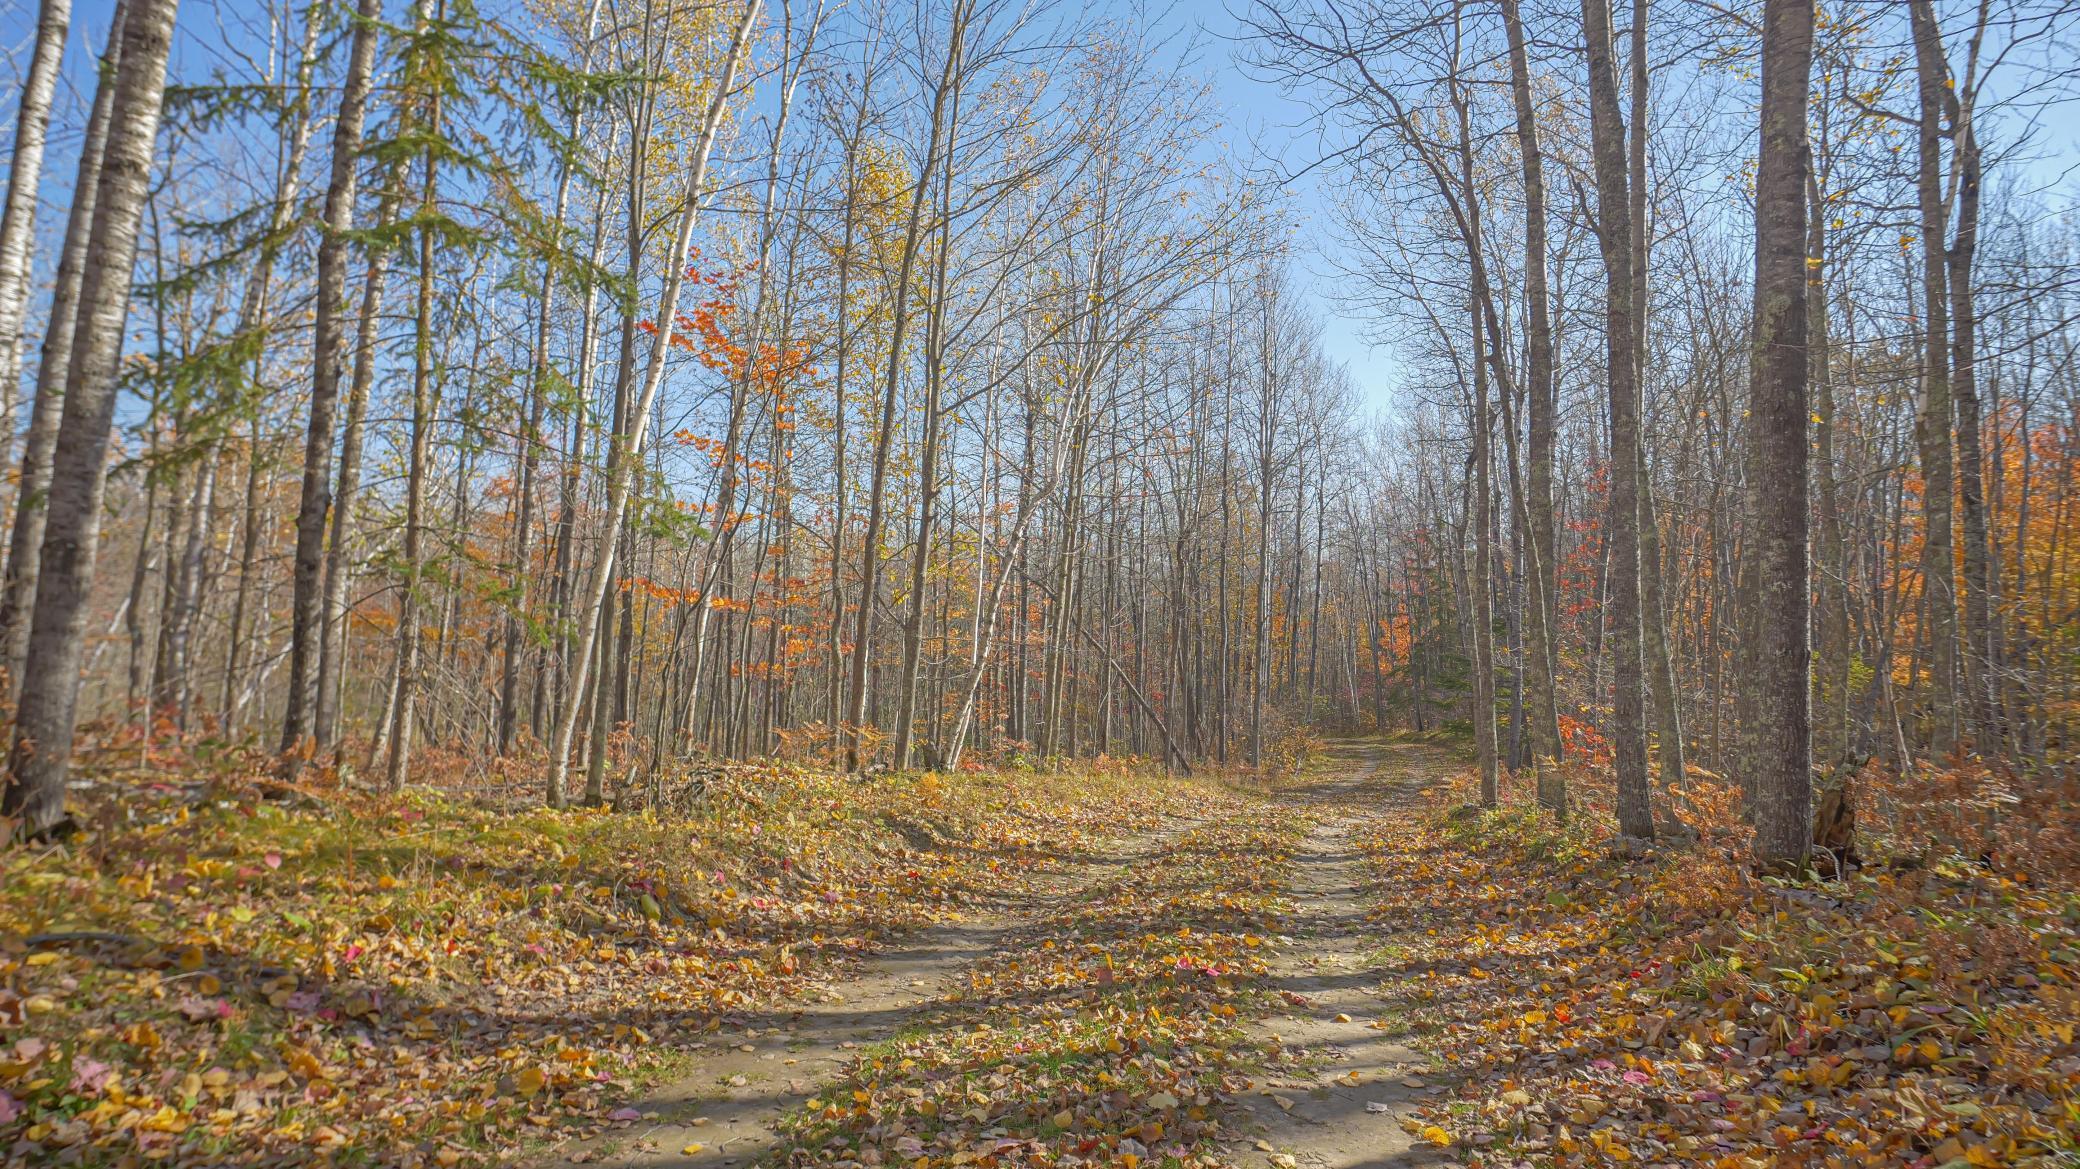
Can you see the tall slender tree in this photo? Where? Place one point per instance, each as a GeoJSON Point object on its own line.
{"type": "Point", "coordinates": [1780, 413]}
{"type": "Point", "coordinates": [306, 621]}
{"type": "Point", "coordinates": [1621, 375]}
{"type": "Point", "coordinates": [40, 754]}
{"type": "Point", "coordinates": [598, 576]}
{"type": "Point", "coordinates": [24, 175]}
{"type": "Point", "coordinates": [25, 536]}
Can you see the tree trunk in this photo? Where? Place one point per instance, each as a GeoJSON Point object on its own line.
{"type": "Point", "coordinates": [1614, 234]}
{"type": "Point", "coordinates": [1932, 425]}
{"type": "Point", "coordinates": [1542, 552]}
{"type": "Point", "coordinates": [25, 539]}
{"type": "Point", "coordinates": [870, 542]}
{"type": "Point", "coordinates": [1661, 685]}
{"type": "Point", "coordinates": [1982, 657]}
{"type": "Point", "coordinates": [18, 221]}
{"type": "Point", "coordinates": [928, 497]}
{"type": "Point", "coordinates": [40, 755]}
{"type": "Point", "coordinates": [1835, 649]}
{"type": "Point", "coordinates": [1780, 413]}
{"type": "Point", "coordinates": [1482, 585]}
{"type": "Point", "coordinates": [339, 560]}
{"type": "Point", "coordinates": [530, 438]}
{"type": "Point", "coordinates": [397, 763]}
{"type": "Point", "coordinates": [1484, 737]}
{"type": "Point", "coordinates": [307, 615]}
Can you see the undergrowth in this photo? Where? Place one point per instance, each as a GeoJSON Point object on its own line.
{"type": "Point", "coordinates": [1598, 1005]}
{"type": "Point", "coordinates": [433, 979]}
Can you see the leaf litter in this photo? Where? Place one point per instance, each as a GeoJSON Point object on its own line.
{"type": "Point", "coordinates": [1110, 1034]}
{"type": "Point", "coordinates": [1587, 1007]}
{"type": "Point", "coordinates": [430, 980]}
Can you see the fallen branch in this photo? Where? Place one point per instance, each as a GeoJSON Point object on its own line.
{"type": "Point", "coordinates": [74, 937]}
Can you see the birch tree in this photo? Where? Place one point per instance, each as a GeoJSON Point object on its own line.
{"type": "Point", "coordinates": [40, 753]}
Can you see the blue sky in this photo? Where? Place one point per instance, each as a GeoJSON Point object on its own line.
{"type": "Point", "coordinates": [1265, 128]}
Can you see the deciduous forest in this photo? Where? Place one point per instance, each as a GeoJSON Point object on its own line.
{"type": "Point", "coordinates": [824, 583]}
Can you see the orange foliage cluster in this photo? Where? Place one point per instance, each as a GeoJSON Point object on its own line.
{"type": "Point", "coordinates": [2017, 821]}
{"type": "Point", "coordinates": [662, 594]}
{"type": "Point", "coordinates": [1581, 742]}
{"type": "Point", "coordinates": [2036, 546]}
{"type": "Point", "coordinates": [1580, 568]}
{"type": "Point", "coordinates": [2032, 519]}
{"type": "Point", "coordinates": [702, 332]}
{"type": "Point", "coordinates": [1396, 639]}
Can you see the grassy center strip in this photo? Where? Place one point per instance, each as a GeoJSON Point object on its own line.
{"type": "Point", "coordinates": [1108, 1034]}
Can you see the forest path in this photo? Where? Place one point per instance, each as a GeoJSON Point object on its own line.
{"type": "Point", "coordinates": [1345, 1082]}
{"type": "Point", "coordinates": [1333, 1098]}
{"type": "Point", "coordinates": [724, 1113]}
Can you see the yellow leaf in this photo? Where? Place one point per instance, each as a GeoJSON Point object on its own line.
{"type": "Point", "coordinates": [531, 1082]}
{"type": "Point", "coordinates": [690, 1151]}
{"type": "Point", "coordinates": [1436, 1135]}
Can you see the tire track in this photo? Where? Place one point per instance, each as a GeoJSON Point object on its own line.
{"type": "Point", "coordinates": [1345, 1081]}
{"type": "Point", "coordinates": [724, 1113]}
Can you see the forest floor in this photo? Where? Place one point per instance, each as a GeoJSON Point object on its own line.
{"type": "Point", "coordinates": [1347, 967]}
